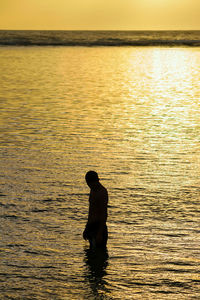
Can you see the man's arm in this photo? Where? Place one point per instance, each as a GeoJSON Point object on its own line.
{"type": "Point", "coordinates": [102, 214]}
{"type": "Point", "coordinates": [85, 232]}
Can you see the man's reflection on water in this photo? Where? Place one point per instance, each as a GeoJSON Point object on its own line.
{"type": "Point", "coordinates": [96, 264]}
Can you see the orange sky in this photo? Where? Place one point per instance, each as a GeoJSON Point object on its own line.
{"type": "Point", "coordinates": [100, 14]}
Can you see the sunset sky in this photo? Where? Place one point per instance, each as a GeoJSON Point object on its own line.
{"type": "Point", "coordinates": [100, 14]}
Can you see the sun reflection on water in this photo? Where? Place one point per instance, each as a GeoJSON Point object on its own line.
{"type": "Point", "coordinates": [131, 114]}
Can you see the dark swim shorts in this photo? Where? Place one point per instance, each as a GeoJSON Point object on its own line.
{"type": "Point", "coordinates": [91, 232]}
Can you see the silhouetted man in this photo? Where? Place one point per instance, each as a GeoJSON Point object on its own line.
{"type": "Point", "coordinates": [96, 229]}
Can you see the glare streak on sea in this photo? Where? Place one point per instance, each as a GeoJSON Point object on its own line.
{"type": "Point", "coordinates": [131, 114]}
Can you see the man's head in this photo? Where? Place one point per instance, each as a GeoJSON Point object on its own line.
{"type": "Point", "coordinates": [91, 178]}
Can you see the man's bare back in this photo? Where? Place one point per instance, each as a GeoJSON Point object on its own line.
{"type": "Point", "coordinates": [96, 229]}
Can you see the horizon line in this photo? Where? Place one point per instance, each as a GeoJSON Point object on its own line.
{"type": "Point", "coordinates": [4, 29]}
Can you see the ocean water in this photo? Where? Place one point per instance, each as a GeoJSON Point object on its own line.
{"type": "Point", "coordinates": [99, 38]}
{"type": "Point", "coordinates": [131, 114]}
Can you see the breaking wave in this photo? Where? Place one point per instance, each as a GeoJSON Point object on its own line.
{"type": "Point", "coordinates": [99, 38]}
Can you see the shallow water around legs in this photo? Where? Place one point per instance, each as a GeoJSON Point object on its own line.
{"type": "Point", "coordinates": [131, 114]}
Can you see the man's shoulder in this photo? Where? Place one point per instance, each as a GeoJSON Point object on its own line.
{"type": "Point", "coordinates": [100, 193]}
{"type": "Point", "coordinates": [103, 193]}
{"type": "Point", "coordinates": [103, 189]}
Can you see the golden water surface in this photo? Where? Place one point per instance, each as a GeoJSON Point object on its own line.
{"type": "Point", "coordinates": [131, 114]}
